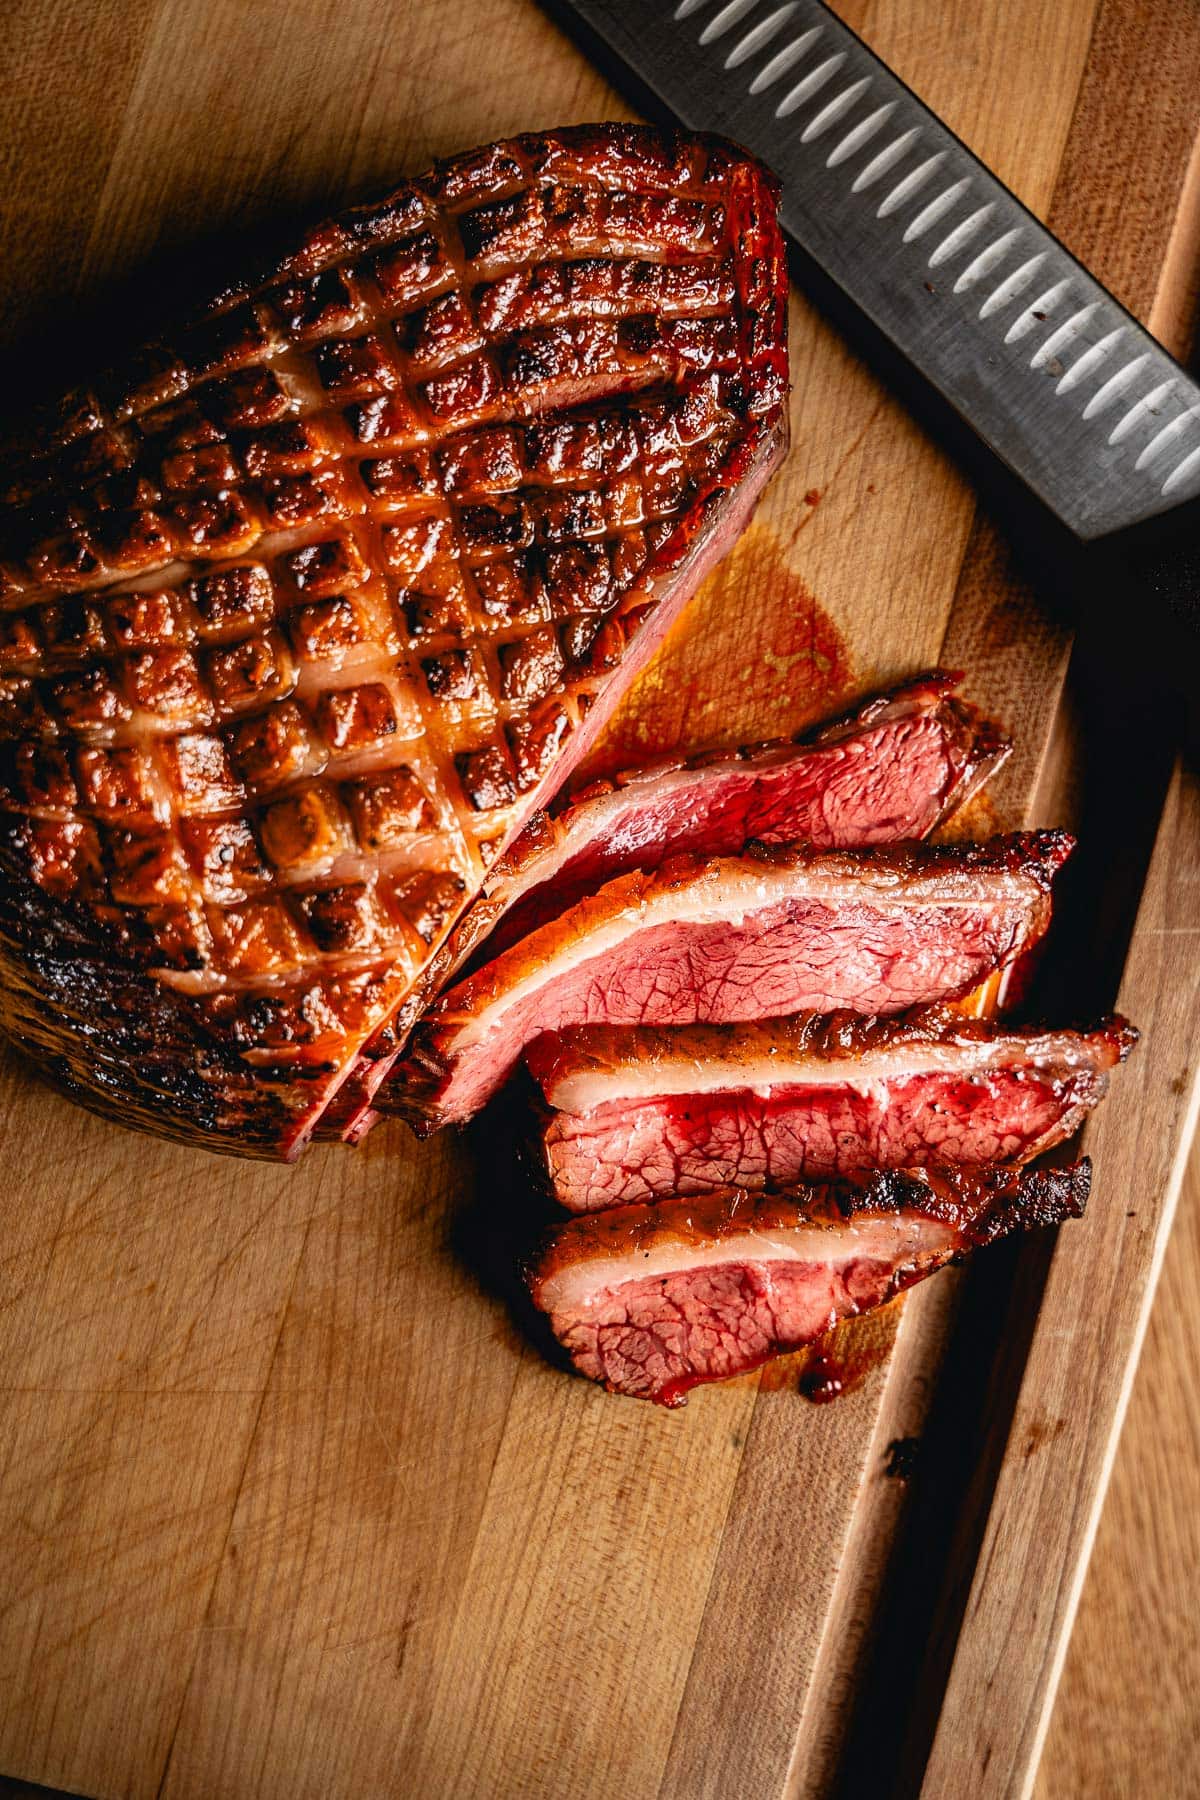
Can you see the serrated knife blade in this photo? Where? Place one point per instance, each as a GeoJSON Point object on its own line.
{"type": "Point", "coordinates": [1050, 370]}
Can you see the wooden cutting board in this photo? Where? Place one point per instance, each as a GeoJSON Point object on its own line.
{"type": "Point", "coordinates": [289, 1507]}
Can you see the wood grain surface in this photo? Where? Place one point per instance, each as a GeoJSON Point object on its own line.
{"type": "Point", "coordinates": [1124, 1722]}
{"type": "Point", "coordinates": [289, 1505]}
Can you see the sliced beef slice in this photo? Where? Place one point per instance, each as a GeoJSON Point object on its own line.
{"type": "Point", "coordinates": [642, 1113]}
{"type": "Point", "coordinates": [655, 1300]}
{"type": "Point", "coordinates": [777, 931]}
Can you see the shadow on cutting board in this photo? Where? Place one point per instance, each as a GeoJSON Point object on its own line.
{"type": "Point", "coordinates": [493, 1231]}
{"type": "Point", "coordinates": [11, 1789]}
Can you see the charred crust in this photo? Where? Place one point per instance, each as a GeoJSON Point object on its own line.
{"type": "Point", "coordinates": [1036, 855]}
{"type": "Point", "coordinates": [828, 1038]}
{"type": "Point", "coordinates": [112, 1038]}
{"type": "Point", "coordinates": [983, 1204]}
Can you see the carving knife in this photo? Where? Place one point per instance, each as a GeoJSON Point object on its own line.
{"type": "Point", "coordinates": [1063, 384]}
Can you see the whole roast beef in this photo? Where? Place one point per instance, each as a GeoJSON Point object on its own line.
{"type": "Point", "coordinates": [305, 610]}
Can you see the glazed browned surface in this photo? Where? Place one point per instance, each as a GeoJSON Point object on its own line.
{"type": "Point", "coordinates": [305, 608]}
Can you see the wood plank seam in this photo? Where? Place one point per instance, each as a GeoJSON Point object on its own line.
{"type": "Point", "coordinates": [1078, 1573]}
{"type": "Point", "coordinates": [996, 1573]}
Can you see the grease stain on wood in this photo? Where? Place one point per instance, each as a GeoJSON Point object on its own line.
{"type": "Point", "coordinates": [1042, 1432]}
{"type": "Point", "coordinates": [754, 656]}
{"type": "Point", "coordinates": [838, 1363]}
{"type": "Point", "coordinates": [841, 1365]}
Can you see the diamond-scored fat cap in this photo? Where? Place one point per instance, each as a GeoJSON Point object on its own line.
{"type": "Point", "coordinates": [304, 610]}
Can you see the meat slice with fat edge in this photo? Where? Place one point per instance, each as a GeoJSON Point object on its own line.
{"type": "Point", "coordinates": [643, 1114]}
{"type": "Point", "coordinates": [895, 767]}
{"type": "Point", "coordinates": [305, 608]}
{"type": "Point", "coordinates": [655, 1300]}
{"type": "Point", "coordinates": [778, 930]}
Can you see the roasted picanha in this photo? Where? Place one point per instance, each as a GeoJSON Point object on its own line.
{"type": "Point", "coordinates": [655, 1300]}
{"type": "Point", "coordinates": [308, 607]}
{"type": "Point", "coordinates": [638, 1114]}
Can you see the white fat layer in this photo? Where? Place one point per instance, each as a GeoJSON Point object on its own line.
{"type": "Point", "coordinates": [891, 1237]}
{"type": "Point", "coordinates": [728, 894]}
{"type": "Point", "coordinates": [651, 1078]}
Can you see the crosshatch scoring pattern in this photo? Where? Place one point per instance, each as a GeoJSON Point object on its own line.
{"type": "Point", "coordinates": [300, 610]}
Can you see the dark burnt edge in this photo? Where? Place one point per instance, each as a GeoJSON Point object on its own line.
{"type": "Point", "coordinates": [1012, 1199]}
{"type": "Point", "coordinates": [982, 742]}
{"type": "Point", "coordinates": [424, 1075]}
{"type": "Point", "coordinates": [982, 1205]}
{"type": "Point", "coordinates": [1036, 854]}
{"type": "Point", "coordinates": [985, 747]}
{"type": "Point", "coordinates": [845, 1035]}
{"type": "Point", "coordinates": [138, 1053]}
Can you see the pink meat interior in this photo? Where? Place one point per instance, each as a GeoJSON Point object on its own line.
{"type": "Point", "coordinates": [657, 1338]}
{"type": "Point", "coordinates": [873, 788]}
{"type": "Point", "coordinates": [628, 1152]}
